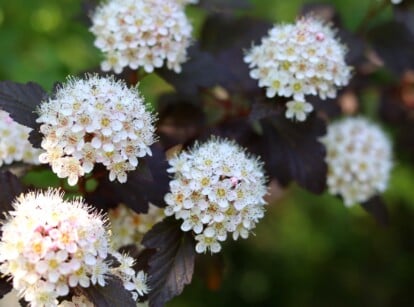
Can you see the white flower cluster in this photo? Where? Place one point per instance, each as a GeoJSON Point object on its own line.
{"type": "Point", "coordinates": [298, 60]}
{"type": "Point", "coordinates": [50, 245]}
{"type": "Point", "coordinates": [96, 120]}
{"type": "Point", "coordinates": [129, 227]}
{"type": "Point", "coordinates": [14, 144]}
{"type": "Point", "coordinates": [396, 1]}
{"type": "Point", "coordinates": [359, 158]}
{"type": "Point", "coordinates": [142, 33]}
{"type": "Point", "coordinates": [217, 189]}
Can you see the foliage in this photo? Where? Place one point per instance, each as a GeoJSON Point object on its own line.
{"type": "Point", "coordinates": [214, 94]}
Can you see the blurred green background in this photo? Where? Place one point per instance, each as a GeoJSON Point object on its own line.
{"type": "Point", "coordinates": [309, 250]}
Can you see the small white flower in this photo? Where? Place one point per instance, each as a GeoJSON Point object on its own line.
{"type": "Point", "coordinates": [298, 110]}
{"type": "Point", "coordinates": [140, 281]}
{"type": "Point", "coordinates": [216, 187]}
{"type": "Point", "coordinates": [98, 273]}
{"type": "Point", "coordinates": [359, 158]}
{"type": "Point", "coordinates": [205, 243]}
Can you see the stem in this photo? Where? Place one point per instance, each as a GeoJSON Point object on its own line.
{"type": "Point", "coordinates": [134, 76]}
{"type": "Point", "coordinates": [82, 185]}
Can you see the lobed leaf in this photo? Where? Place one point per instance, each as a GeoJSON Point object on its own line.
{"type": "Point", "coordinates": [5, 286]}
{"type": "Point", "coordinates": [113, 294]}
{"type": "Point", "coordinates": [200, 71]}
{"type": "Point", "coordinates": [10, 189]}
{"type": "Point", "coordinates": [21, 101]}
{"type": "Point", "coordinates": [227, 38]}
{"type": "Point", "coordinates": [394, 43]}
{"type": "Point", "coordinates": [172, 266]}
{"type": "Point", "coordinates": [377, 208]}
{"type": "Point", "coordinates": [292, 151]}
{"type": "Point", "coordinates": [180, 119]}
{"type": "Point", "coordinates": [264, 108]}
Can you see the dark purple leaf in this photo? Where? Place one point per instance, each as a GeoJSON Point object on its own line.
{"type": "Point", "coordinates": [172, 266]}
{"type": "Point", "coordinates": [228, 37]}
{"type": "Point", "coordinates": [329, 107]}
{"type": "Point", "coordinates": [291, 151]}
{"type": "Point", "coordinates": [87, 9]}
{"type": "Point", "coordinates": [180, 119]}
{"type": "Point", "coordinates": [267, 108]}
{"type": "Point", "coordinates": [113, 294]}
{"type": "Point", "coordinates": [23, 303]}
{"type": "Point", "coordinates": [5, 286]}
{"type": "Point", "coordinates": [237, 129]}
{"type": "Point", "coordinates": [21, 101]}
{"type": "Point", "coordinates": [394, 43]}
{"type": "Point", "coordinates": [200, 71]}
{"type": "Point", "coordinates": [404, 13]}
{"type": "Point", "coordinates": [391, 108]}
{"type": "Point", "coordinates": [221, 32]}
{"type": "Point", "coordinates": [396, 109]}
{"type": "Point", "coordinates": [149, 183]}
{"type": "Point", "coordinates": [377, 208]}
{"type": "Point", "coordinates": [10, 189]}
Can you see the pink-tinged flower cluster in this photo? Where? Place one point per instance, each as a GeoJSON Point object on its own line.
{"type": "Point", "coordinates": [49, 245]}
{"type": "Point", "coordinates": [296, 60]}
{"type": "Point", "coordinates": [217, 189]}
{"type": "Point", "coordinates": [95, 120]}
{"type": "Point", "coordinates": [142, 33]}
{"type": "Point", "coordinates": [14, 144]}
{"type": "Point", "coordinates": [129, 227]}
{"type": "Point", "coordinates": [359, 158]}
